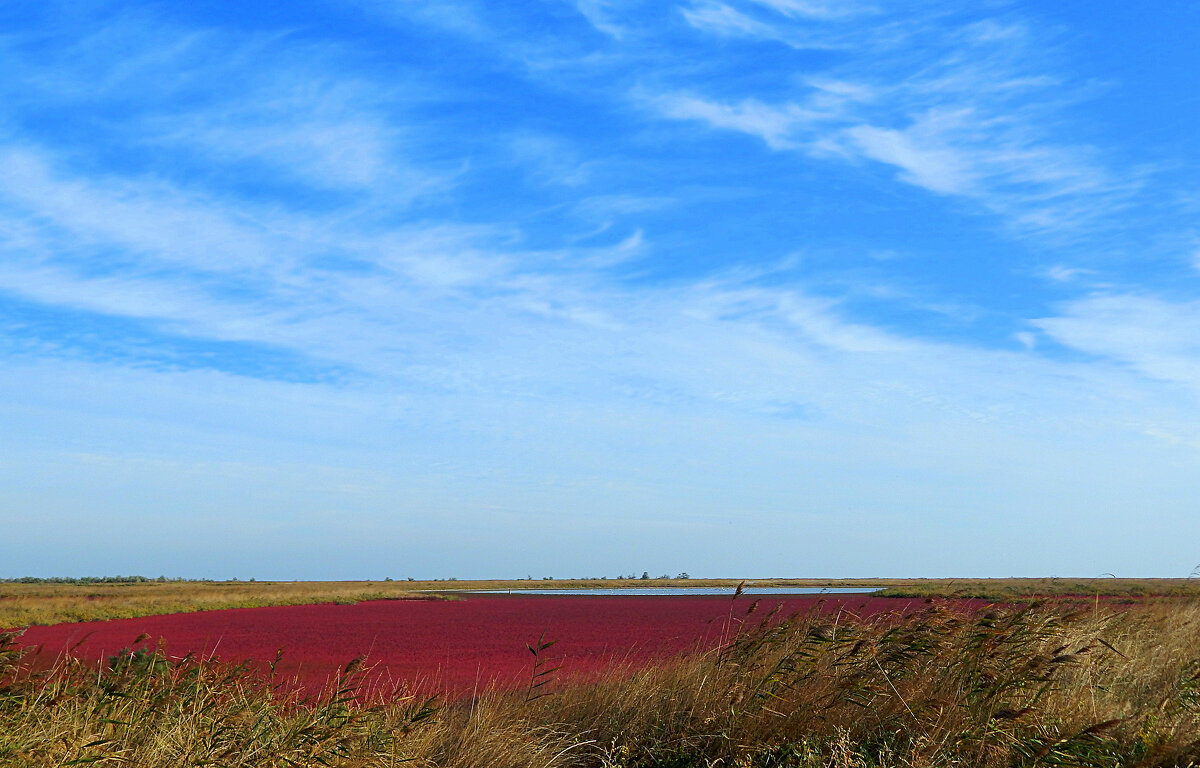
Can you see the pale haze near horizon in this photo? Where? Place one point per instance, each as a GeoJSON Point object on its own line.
{"type": "Point", "coordinates": [732, 287]}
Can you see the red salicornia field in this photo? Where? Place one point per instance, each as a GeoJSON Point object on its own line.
{"type": "Point", "coordinates": [845, 680]}
{"type": "Point", "coordinates": [452, 646]}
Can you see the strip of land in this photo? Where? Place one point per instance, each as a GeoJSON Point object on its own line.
{"type": "Point", "coordinates": [39, 603]}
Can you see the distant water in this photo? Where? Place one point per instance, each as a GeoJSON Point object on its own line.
{"type": "Point", "coordinates": [672, 591]}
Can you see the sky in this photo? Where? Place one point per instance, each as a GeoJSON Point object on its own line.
{"type": "Point", "coordinates": [402, 288]}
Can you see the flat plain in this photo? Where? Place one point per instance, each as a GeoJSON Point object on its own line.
{"type": "Point", "coordinates": [1103, 673]}
{"type": "Point", "coordinates": [40, 603]}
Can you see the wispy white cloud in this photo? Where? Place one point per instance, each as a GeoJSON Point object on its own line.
{"type": "Point", "coordinates": [726, 20]}
{"type": "Point", "coordinates": [239, 105]}
{"type": "Point", "coordinates": [720, 18]}
{"type": "Point", "coordinates": [423, 297]}
{"type": "Point", "coordinates": [550, 160]}
{"type": "Point", "coordinates": [600, 14]}
{"type": "Point", "coordinates": [148, 218]}
{"type": "Point", "coordinates": [961, 110]}
{"type": "Point", "coordinates": [307, 139]}
{"type": "Point", "coordinates": [1061, 273]}
{"type": "Point", "coordinates": [818, 9]}
{"type": "Point", "coordinates": [461, 17]}
{"type": "Point", "coordinates": [924, 158]}
{"type": "Point", "coordinates": [1154, 336]}
{"type": "Point", "coordinates": [774, 125]}
{"type": "Point", "coordinates": [127, 57]}
{"type": "Point", "coordinates": [431, 294]}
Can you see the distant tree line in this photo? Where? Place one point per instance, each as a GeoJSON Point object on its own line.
{"type": "Point", "coordinates": [163, 579]}
{"type": "Point", "coordinates": [644, 577]}
{"type": "Point", "coordinates": [92, 580]}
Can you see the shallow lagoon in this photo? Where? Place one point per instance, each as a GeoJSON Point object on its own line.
{"type": "Point", "coordinates": [673, 591]}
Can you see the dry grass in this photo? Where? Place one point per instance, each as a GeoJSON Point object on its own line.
{"type": "Point", "coordinates": [1057, 684]}
{"type": "Point", "coordinates": [28, 604]}
{"type": "Point", "coordinates": [1015, 588]}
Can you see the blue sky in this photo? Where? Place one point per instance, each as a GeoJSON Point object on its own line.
{"type": "Point", "coordinates": [397, 288]}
